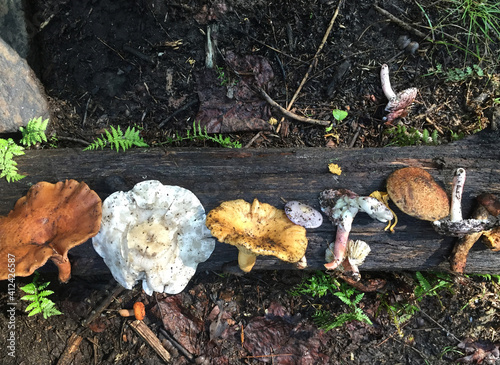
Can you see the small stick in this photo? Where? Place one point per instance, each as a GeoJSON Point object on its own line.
{"type": "Point", "coordinates": [147, 335]}
{"type": "Point", "coordinates": [313, 61]}
{"type": "Point", "coordinates": [71, 347]}
{"type": "Point", "coordinates": [177, 345]}
{"type": "Point", "coordinates": [289, 114]}
{"type": "Point", "coordinates": [178, 111]}
{"type": "Point", "coordinates": [261, 356]}
{"type": "Point", "coordinates": [105, 303]}
{"type": "Point", "coordinates": [401, 23]}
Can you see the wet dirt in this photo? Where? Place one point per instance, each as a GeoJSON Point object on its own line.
{"type": "Point", "coordinates": [143, 63]}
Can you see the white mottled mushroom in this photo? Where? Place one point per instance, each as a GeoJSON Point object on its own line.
{"type": "Point", "coordinates": [155, 233]}
{"type": "Point", "coordinates": [397, 103]}
{"type": "Point", "coordinates": [303, 214]}
{"type": "Point", "coordinates": [455, 225]}
{"type": "Point", "coordinates": [341, 206]}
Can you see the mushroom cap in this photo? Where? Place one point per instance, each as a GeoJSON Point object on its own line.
{"type": "Point", "coordinates": [492, 239]}
{"type": "Point", "coordinates": [154, 233]}
{"type": "Point", "coordinates": [490, 202]}
{"type": "Point", "coordinates": [416, 193]}
{"type": "Point", "coordinates": [303, 214]}
{"type": "Point", "coordinates": [337, 204]}
{"type": "Point", "coordinates": [446, 227]}
{"type": "Point", "coordinates": [257, 229]}
{"type": "Point", "coordinates": [46, 224]}
{"type": "Point", "coordinates": [402, 100]}
{"type": "Point", "coordinates": [139, 310]}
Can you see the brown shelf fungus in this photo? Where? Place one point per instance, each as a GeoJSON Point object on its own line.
{"type": "Point", "coordinates": [257, 229]}
{"type": "Point", "coordinates": [455, 225]}
{"type": "Point", "coordinates": [398, 103]}
{"type": "Point", "coordinates": [45, 224]}
{"type": "Point", "coordinates": [341, 206]}
{"type": "Point", "coordinates": [416, 193]}
{"type": "Point", "coordinates": [155, 233]}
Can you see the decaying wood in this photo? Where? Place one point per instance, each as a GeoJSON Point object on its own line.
{"type": "Point", "coordinates": [274, 175]}
{"type": "Point", "coordinates": [147, 335]}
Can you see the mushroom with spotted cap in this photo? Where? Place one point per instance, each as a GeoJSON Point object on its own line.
{"type": "Point", "coordinates": [153, 233]}
{"type": "Point", "coordinates": [341, 206]}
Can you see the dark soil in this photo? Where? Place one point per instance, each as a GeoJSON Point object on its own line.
{"type": "Point", "coordinates": [142, 63]}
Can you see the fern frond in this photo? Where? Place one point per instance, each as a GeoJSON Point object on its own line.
{"type": "Point", "coordinates": [35, 311]}
{"type": "Point", "coordinates": [34, 132]}
{"type": "Point", "coordinates": [29, 288]}
{"type": "Point", "coordinates": [8, 167]}
{"type": "Point", "coordinates": [116, 139]}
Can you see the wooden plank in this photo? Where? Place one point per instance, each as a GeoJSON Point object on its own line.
{"type": "Point", "coordinates": [271, 175]}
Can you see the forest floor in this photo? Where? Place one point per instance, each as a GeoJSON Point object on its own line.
{"type": "Point", "coordinates": [143, 64]}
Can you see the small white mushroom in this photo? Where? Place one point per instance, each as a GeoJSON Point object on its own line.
{"type": "Point", "coordinates": [303, 214]}
{"type": "Point", "coordinates": [155, 233]}
{"type": "Point", "coordinates": [455, 225]}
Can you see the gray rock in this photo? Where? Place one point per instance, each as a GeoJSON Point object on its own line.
{"type": "Point", "coordinates": [13, 26]}
{"type": "Point", "coordinates": [21, 94]}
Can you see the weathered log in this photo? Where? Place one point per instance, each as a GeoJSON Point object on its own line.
{"type": "Point", "coordinates": [275, 175]}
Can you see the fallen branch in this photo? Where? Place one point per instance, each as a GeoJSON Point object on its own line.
{"type": "Point", "coordinates": [291, 115]}
{"type": "Point", "coordinates": [147, 335]}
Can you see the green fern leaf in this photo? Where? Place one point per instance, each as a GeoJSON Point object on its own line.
{"type": "Point", "coordinates": [35, 311]}
{"type": "Point", "coordinates": [31, 306]}
{"type": "Point", "coordinates": [8, 167]}
{"type": "Point", "coordinates": [30, 297]}
{"type": "Point", "coordinates": [34, 132]}
{"type": "Point", "coordinates": [45, 293]}
{"type": "Point", "coordinates": [29, 288]}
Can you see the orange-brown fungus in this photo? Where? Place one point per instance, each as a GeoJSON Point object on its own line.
{"type": "Point", "coordinates": [416, 193]}
{"type": "Point", "coordinates": [46, 224]}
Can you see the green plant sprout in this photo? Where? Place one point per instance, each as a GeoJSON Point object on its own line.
{"type": "Point", "coordinates": [338, 115]}
{"type": "Point", "coordinates": [321, 284]}
{"type": "Point", "coordinates": [199, 134]}
{"type": "Point", "coordinates": [37, 295]}
{"type": "Point", "coordinates": [33, 133]}
{"type": "Point", "coordinates": [8, 167]}
{"type": "Point", "coordinates": [402, 136]}
{"type": "Point", "coordinates": [401, 313]}
{"type": "Point", "coordinates": [117, 139]}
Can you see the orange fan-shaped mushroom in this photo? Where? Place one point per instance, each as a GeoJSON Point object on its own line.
{"type": "Point", "coordinates": [46, 224]}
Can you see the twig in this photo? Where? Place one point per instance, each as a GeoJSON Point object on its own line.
{"type": "Point", "coordinates": [86, 109]}
{"type": "Point", "coordinates": [252, 140]}
{"type": "Point", "coordinates": [71, 347]}
{"type": "Point", "coordinates": [178, 111]}
{"type": "Point", "coordinates": [261, 356]}
{"type": "Point", "coordinates": [177, 345]}
{"type": "Point", "coordinates": [436, 323]}
{"type": "Point", "coordinates": [401, 23]}
{"type": "Point", "coordinates": [313, 61]}
{"type": "Point", "coordinates": [354, 138]}
{"type": "Point", "coordinates": [137, 53]}
{"type": "Point", "coordinates": [147, 335]}
{"type": "Point", "coordinates": [289, 114]}
{"type": "Point", "coordinates": [71, 139]}
{"type": "Point", "coordinates": [104, 304]}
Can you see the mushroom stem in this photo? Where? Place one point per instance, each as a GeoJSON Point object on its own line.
{"type": "Point", "coordinates": [456, 195]}
{"type": "Point", "coordinates": [339, 249]}
{"type": "Point", "coordinates": [458, 258]}
{"type": "Point", "coordinates": [386, 83]}
{"type": "Point", "coordinates": [64, 267]}
{"type": "Point", "coordinates": [246, 259]}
